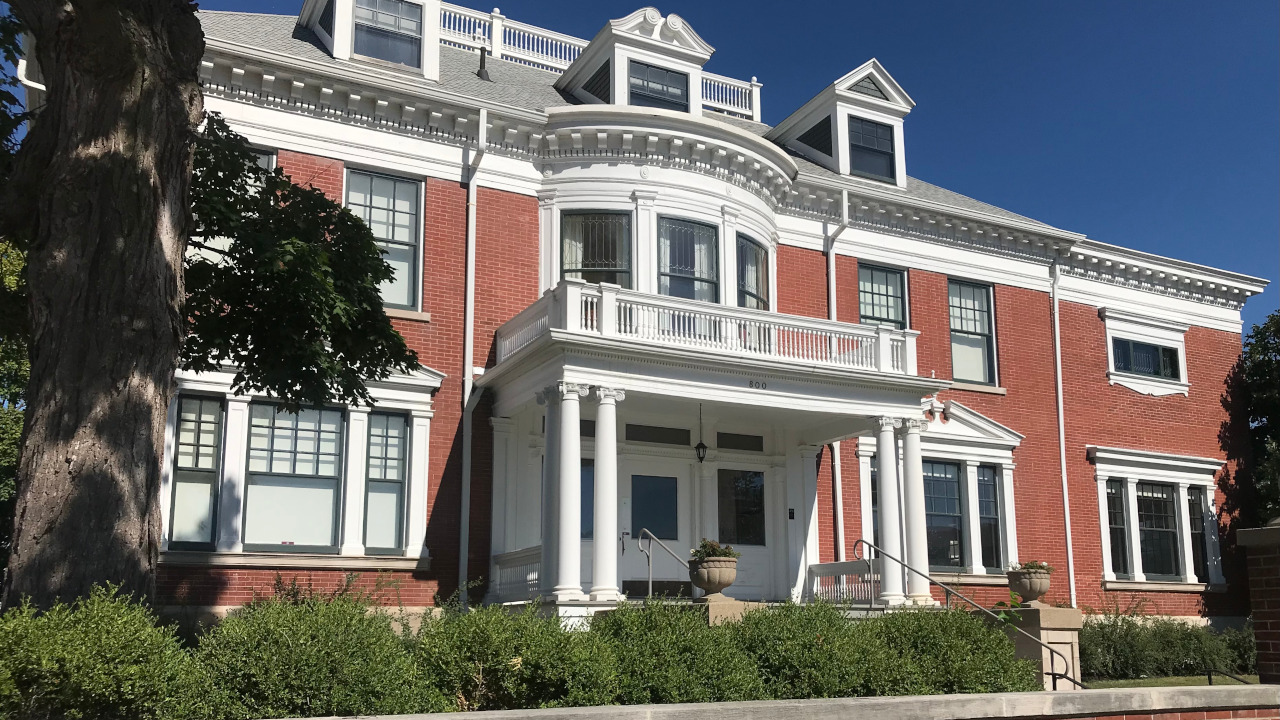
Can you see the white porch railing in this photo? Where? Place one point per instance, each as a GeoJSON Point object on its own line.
{"type": "Point", "coordinates": [855, 582]}
{"type": "Point", "coordinates": [537, 47]}
{"type": "Point", "coordinates": [611, 312]}
{"type": "Point", "coordinates": [515, 575]}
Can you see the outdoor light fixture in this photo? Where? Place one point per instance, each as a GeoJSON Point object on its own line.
{"type": "Point", "coordinates": [701, 447]}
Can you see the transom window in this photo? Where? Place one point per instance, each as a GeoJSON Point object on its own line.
{"type": "Point", "coordinates": [881, 297]}
{"type": "Point", "coordinates": [389, 30]}
{"type": "Point", "coordinates": [198, 441]}
{"type": "Point", "coordinates": [1132, 356]}
{"type": "Point", "coordinates": [295, 462]}
{"type": "Point", "coordinates": [741, 506]}
{"type": "Point", "coordinates": [688, 260]}
{"type": "Point", "coordinates": [385, 483]}
{"type": "Point", "coordinates": [943, 518]}
{"type": "Point", "coordinates": [652, 86]}
{"type": "Point", "coordinates": [972, 336]}
{"type": "Point", "coordinates": [389, 206]}
{"type": "Point", "coordinates": [871, 150]}
{"type": "Point", "coordinates": [753, 274]}
{"type": "Point", "coordinates": [596, 247]}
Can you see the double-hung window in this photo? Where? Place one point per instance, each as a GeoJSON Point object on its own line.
{"type": "Point", "coordinates": [596, 247]}
{"type": "Point", "coordinates": [688, 260]}
{"type": "Point", "coordinates": [652, 86]}
{"type": "Point", "coordinates": [198, 451]}
{"type": "Point", "coordinates": [1196, 521]}
{"type": "Point", "coordinates": [1132, 356]}
{"type": "Point", "coordinates": [972, 333]}
{"type": "Point", "coordinates": [388, 472]}
{"type": "Point", "coordinates": [871, 150]}
{"type": "Point", "coordinates": [881, 297]}
{"type": "Point", "coordinates": [389, 206]}
{"type": "Point", "coordinates": [389, 30]}
{"type": "Point", "coordinates": [1117, 528]}
{"type": "Point", "coordinates": [988, 503]}
{"type": "Point", "coordinates": [295, 462]}
{"type": "Point", "coordinates": [943, 520]}
{"type": "Point", "coordinates": [740, 495]}
{"type": "Point", "coordinates": [1158, 531]}
{"type": "Point", "coordinates": [753, 274]}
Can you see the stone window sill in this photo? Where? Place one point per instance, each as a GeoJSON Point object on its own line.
{"type": "Point", "coordinates": [300, 560]}
{"type": "Point", "coordinates": [979, 388]}
{"type": "Point", "coordinates": [1157, 586]}
{"type": "Point", "coordinates": [408, 314]}
{"type": "Point", "coordinates": [1148, 385]}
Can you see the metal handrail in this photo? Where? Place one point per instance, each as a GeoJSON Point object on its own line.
{"type": "Point", "coordinates": [1211, 672]}
{"type": "Point", "coordinates": [1053, 674]}
{"type": "Point", "coordinates": [648, 554]}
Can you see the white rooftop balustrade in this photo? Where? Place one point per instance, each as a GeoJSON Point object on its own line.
{"type": "Point", "coordinates": [608, 311]}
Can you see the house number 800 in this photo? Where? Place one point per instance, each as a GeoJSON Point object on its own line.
{"type": "Point", "coordinates": [757, 384]}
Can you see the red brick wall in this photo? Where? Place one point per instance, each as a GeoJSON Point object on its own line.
{"type": "Point", "coordinates": [802, 282]}
{"type": "Point", "coordinates": [1264, 598]}
{"type": "Point", "coordinates": [847, 289]}
{"type": "Point", "coordinates": [203, 586]}
{"type": "Point", "coordinates": [321, 173]}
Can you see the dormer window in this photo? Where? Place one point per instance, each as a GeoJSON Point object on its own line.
{"type": "Point", "coordinates": [871, 150]}
{"type": "Point", "coordinates": [389, 30]}
{"type": "Point", "coordinates": [652, 86]}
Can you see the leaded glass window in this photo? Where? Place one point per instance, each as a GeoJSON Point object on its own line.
{"type": "Point", "coordinates": [295, 462]}
{"type": "Point", "coordinates": [1141, 358]}
{"type": "Point", "coordinates": [596, 247]}
{"type": "Point", "coordinates": [753, 274]}
{"type": "Point", "coordinates": [688, 260]}
{"type": "Point", "coordinates": [389, 30]}
{"type": "Point", "coordinates": [989, 518]}
{"type": "Point", "coordinates": [871, 150]}
{"type": "Point", "coordinates": [1158, 530]}
{"type": "Point", "coordinates": [389, 206]}
{"type": "Point", "coordinates": [197, 461]}
{"type": "Point", "coordinates": [881, 297]}
{"type": "Point", "coordinates": [972, 335]}
{"type": "Point", "coordinates": [388, 469]}
{"type": "Point", "coordinates": [943, 518]}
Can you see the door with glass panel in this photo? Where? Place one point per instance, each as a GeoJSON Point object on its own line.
{"type": "Point", "coordinates": [652, 494]}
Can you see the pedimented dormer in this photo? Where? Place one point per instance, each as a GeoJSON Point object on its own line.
{"type": "Point", "coordinates": [400, 34]}
{"type": "Point", "coordinates": [853, 127]}
{"type": "Point", "coordinates": [643, 59]}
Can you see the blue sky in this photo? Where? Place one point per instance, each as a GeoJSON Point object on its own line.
{"type": "Point", "coordinates": [1153, 125]}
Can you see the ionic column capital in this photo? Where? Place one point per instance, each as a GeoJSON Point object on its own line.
{"type": "Point", "coordinates": [915, 425]}
{"type": "Point", "coordinates": [610, 395]}
{"type": "Point", "coordinates": [568, 390]}
{"type": "Point", "coordinates": [888, 423]}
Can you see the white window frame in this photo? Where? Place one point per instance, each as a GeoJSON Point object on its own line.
{"type": "Point", "coordinates": [1163, 333]}
{"type": "Point", "coordinates": [1180, 471]}
{"type": "Point", "coordinates": [423, 35]}
{"type": "Point", "coordinates": [418, 303]}
{"type": "Point", "coordinates": [995, 333]}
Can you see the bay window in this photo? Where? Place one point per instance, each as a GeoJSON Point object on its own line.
{"type": "Point", "coordinates": [197, 460]}
{"type": "Point", "coordinates": [389, 30]}
{"type": "Point", "coordinates": [688, 260]}
{"type": "Point", "coordinates": [295, 463]}
{"type": "Point", "coordinates": [596, 247]}
{"type": "Point", "coordinates": [389, 206]}
{"type": "Point", "coordinates": [972, 333]}
{"type": "Point", "coordinates": [388, 470]}
{"type": "Point", "coordinates": [753, 274]}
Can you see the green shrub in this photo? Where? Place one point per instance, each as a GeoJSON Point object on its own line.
{"type": "Point", "coordinates": [493, 659]}
{"type": "Point", "coordinates": [666, 653]}
{"type": "Point", "coordinates": [1244, 648]}
{"type": "Point", "coordinates": [951, 651]}
{"type": "Point", "coordinates": [1123, 645]}
{"type": "Point", "coordinates": [311, 656]}
{"type": "Point", "coordinates": [102, 657]}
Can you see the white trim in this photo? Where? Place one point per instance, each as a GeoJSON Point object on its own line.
{"type": "Point", "coordinates": [1152, 331]}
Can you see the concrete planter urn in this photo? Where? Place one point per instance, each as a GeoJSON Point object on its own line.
{"type": "Point", "coordinates": [713, 574]}
{"type": "Point", "coordinates": [1031, 585]}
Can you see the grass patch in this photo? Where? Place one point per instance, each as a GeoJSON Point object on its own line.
{"type": "Point", "coordinates": [1172, 681]}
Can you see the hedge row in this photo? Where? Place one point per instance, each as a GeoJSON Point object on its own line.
{"type": "Point", "coordinates": [306, 655]}
{"type": "Point", "coordinates": [1120, 646]}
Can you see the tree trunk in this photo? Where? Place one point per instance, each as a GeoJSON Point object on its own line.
{"type": "Point", "coordinates": [100, 194]}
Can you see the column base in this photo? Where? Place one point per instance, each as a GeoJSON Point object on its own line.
{"type": "Point", "coordinates": [568, 594]}
{"type": "Point", "coordinates": [613, 595]}
{"type": "Point", "coordinates": [922, 600]}
{"type": "Point", "coordinates": [892, 599]}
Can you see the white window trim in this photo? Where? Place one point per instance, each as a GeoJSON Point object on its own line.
{"type": "Point", "coordinates": [995, 339]}
{"type": "Point", "coordinates": [1164, 333]}
{"type": "Point", "coordinates": [1180, 471]}
{"type": "Point", "coordinates": [906, 289]}
{"type": "Point", "coordinates": [409, 394]}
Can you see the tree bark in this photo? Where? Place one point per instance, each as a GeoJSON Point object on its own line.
{"type": "Point", "coordinates": [100, 195]}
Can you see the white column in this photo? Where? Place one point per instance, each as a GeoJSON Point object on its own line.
{"type": "Point", "coordinates": [1187, 560]}
{"type": "Point", "coordinates": [569, 517]}
{"type": "Point", "coordinates": [890, 515]}
{"type": "Point", "coordinates": [865, 453]}
{"type": "Point", "coordinates": [728, 255]}
{"type": "Point", "coordinates": [502, 459]}
{"type": "Point", "coordinates": [1213, 553]}
{"type": "Point", "coordinates": [416, 503]}
{"type": "Point", "coordinates": [604, 569]}
{"type": "Point", "coordinates": [972, 523]}
{"type": "Point", "coordinates": [913, 513]}
{"type": "Point", "coordinates": [231, 491]}
{"type": "Point", "coordinates": [1008, 515]}
{"type": "Point", "coordinates": [550, 477]}
{"type": "Point", "coordinates": [1131, 524]}
{"type": "Point", "coordinates": [644, 248]}
{"type": "Point", "coordinates": [809, 478]}
{"type": "Point", "coordinates": [776, 486]}
{"type": "Point", "coordinates": [354, 495]}
{"type": "Point", "coordinates": [1104, 522]}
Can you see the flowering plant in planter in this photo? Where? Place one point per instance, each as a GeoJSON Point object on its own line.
{"type": "Point", "coordinates": [1030, 580]}
{"type": "Point", "coordinates": [712, 549]}
{"type": "Point", "coordinates": [713, 567]}
{"type": "Point", "coordinates": [1031, 566]}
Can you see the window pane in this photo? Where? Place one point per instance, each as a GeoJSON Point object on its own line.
{"type": "Point", "coordinates": [387, 470]}
{"type": "Point", "coordinates": [597, 247]}
{"type": "Point", "coordinates": [971, 332]}
{"type": "Point", "coordinates": [989, 518]}
{"type": "Point", "coordinates": [753, 274]}
{"type": "Point", "coordinates": [290, 511]}
{"type": "Point", "coordinates": [653, 506]}
{"type": "Point", "coordinates": [1157, 529]}
{"type": "Point", "coordinates": [389, 206]}
{"type": "Point", "coordinates": [741, 503]}
{"type": "Point", "coordinates": [656, 87]}
{"type": "Point", "coordinates": [382, 527]}
{"type": "Point", "coordinates": [588, 495]}
{"type": "Point", "coordinates": [688, 260]}
{"type": "Point", "coordinates": [386, 45]}
{"type": "Point", "coordinates": [193, 498]}
{"type": "Point", "coordinates": [881, 297]}
{"type": "Point", "coordinates": [942, 514]}
{"type": "Point", "coordinates": [969, 358]}
{"type": "Point", "coordinates": [1118, 529]}
{"type": "Point", "coordinates": [1145, 359]}
{"type": "Point", "coordinates": [871, 149]}
{"type": "Point", "coordinates": [1196, 516]}
{"type": "Point", "coordinates": [198, 447]}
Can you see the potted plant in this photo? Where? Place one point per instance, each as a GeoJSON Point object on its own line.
{"type": "Point", "coordinates": [713, 567]}
{"type": "Point", "coordinates": [1030, 580]}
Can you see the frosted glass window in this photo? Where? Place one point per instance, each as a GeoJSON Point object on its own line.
{"type": "Point", "coordinates": [389, 206]}
{"type": "Point", "coordinates": [385, 485]}
{"type": "Point", "coordinates": [972, 334]}
{"type": "Point", "coordinates": [389, 30]}
{"type": "Point", "coordinates": [294, 468]}
{"type": "Point", "coordinates": [197, 451]}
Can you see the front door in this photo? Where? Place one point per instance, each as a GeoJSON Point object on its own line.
{"type": "Point", "coordinates": [652, 495]}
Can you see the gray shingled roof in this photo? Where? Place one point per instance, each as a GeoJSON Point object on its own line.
{"type": "Point", "coordinates": [519, 86]}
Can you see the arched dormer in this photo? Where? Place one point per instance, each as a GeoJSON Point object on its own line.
{"type": "Point", "coordinates": [853, 127]}
{"type": "Point", "coordinates": [643, 59]}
